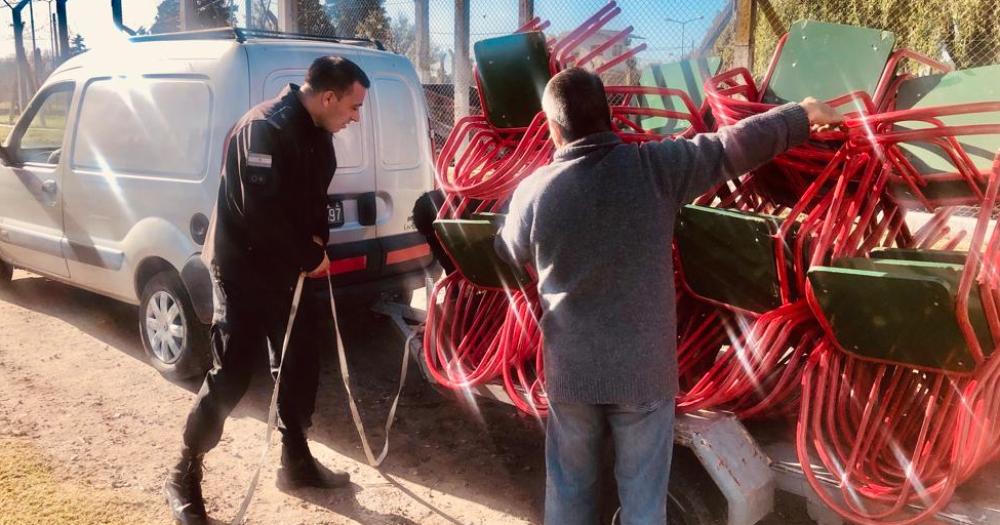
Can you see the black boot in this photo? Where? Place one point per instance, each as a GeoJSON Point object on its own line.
{"type": "Point", "coordinates": [300, 469]}
{"type": "Point", "coordinates": [183, 491]}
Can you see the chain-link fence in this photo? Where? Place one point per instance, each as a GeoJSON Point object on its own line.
{"type": "Point", "coordinates": [667, 31]}
{"type": "Point", "coordinates": [964, 33]}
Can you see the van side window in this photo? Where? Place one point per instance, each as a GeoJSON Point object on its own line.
{"type": "Point", "coordinates": [42, 140]}
{"type": "Point", "coordinates": [145, 126]}
{"type": "Point", "coordinates": [397, 134]}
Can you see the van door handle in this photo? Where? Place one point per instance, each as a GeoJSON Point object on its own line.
{"type": "Point", "coordinates": [50, 187]}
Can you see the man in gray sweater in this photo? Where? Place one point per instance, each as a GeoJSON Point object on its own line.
{"type": "Point", "coordinates": [597, 225]}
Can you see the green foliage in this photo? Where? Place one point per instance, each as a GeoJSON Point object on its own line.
{"type": "Point", "coordinates": [360, 18]}
{"type": "Point", "coordinates": [208, 14]}
{"type": "Point", "coordinates": [965, 32]}
{"type": "Point", "coordinates": [313, 18]}
{"type": "Point", "coordinates": [77, 44]}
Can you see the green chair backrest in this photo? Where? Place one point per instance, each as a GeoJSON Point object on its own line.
{"type": "Point", "coordinates": [899, 311]}
{"type": "Point", "coordinates": [728, 256]}
{"type": "Point", "coordinates": [687, 75]}
{"type": "Point", "coordinates": [471, 245]}
{"type": "Point", "coordinates": [513, 71]}
{"type": "Point", "coordinates": [825, 61]}
{"type": "Point", "coordinates": [981, 84]}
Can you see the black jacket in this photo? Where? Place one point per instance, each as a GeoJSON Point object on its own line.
{"type": "Point", "coordinates": [272, 196]}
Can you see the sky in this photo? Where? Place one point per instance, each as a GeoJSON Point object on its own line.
{"type": "Point", "coordinates": [92, 19]}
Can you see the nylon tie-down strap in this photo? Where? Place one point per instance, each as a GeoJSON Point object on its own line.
{"type": "Point", "coordinates": [272, 412]}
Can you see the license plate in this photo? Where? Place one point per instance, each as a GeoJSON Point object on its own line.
{"type": "Point", "coordinates": [336, 213]}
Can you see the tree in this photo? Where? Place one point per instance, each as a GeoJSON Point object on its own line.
{"type": "Point", "coordinates": [403, 38]}
{"type": "Point", "coordinates": [208, 14]}
{"type": "Point", "coordinates": [313, 18]}
{"type": "Point", "coordinates": [374, 26]}
{"type": "Point", "coordinates": [77, 45]}
{"type": "Point", "coordinates": [349, 17]}
{"type": "Point", "coordinates": [262, 17]}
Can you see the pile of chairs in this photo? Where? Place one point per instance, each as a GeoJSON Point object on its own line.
{"type": "Point", "coordinates": [827, 303]}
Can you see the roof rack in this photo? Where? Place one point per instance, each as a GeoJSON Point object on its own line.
{"type": "Point", "coordinates": [242, 34]}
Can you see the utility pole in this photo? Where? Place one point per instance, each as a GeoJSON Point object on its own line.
{"type": "Point", "coordinates": [683, 24]}
{"type": "Point", "coordinates": [52, 30]}
{"type": "Point", "coordinates": [52, 34]}
{"type": "Point", "coordinates": [34, 44]}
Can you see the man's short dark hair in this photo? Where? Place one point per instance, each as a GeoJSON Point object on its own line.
{"type": "Point", "coordinates": [337, 74]}
{"type": "Point", "coordinates": [577, 103]}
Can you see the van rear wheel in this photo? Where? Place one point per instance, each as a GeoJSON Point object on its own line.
{"type": "Point", "coordinates": [175, 342]}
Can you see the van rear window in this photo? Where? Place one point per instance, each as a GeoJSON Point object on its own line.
{"type": "Point", "coordinates": [144, 126]}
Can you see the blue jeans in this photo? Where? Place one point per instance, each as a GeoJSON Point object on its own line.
{"type": "Point", "coordinates": [574, 437]}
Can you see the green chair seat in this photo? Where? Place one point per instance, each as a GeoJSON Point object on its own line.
{"type": "Point", "coordinates": [513, 71]}
{"type": "Point", "coordinates": [899, 311]}
{"type": "Point", "coordinates": [728, 256]}
{"type": "Point", "coordinates": [825, 61]}
{"type": "Point", "coordinates": [981, 84]}
{"type": "Point", "coordinates": [471, 245]}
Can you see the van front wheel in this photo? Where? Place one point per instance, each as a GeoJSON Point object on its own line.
{"type": "Point", "coordinates": [175, 342]}
{"type": "Point", "coordinates": [6, 273]}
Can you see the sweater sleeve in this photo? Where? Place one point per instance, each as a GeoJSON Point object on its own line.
{"type": "Point", "coordinates": [513, 242]}
{"type": "Point", "coordinates": [690, 167]}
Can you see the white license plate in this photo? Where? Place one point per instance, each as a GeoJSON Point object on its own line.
{"type": "Point", "coordinates": [336, 213]}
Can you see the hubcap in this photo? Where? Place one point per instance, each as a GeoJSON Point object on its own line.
{"type": "Point", "coordinates": [165, 327]}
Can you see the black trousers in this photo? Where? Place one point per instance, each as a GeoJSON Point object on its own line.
{"type": "Point", "coordinates": [249, 322]}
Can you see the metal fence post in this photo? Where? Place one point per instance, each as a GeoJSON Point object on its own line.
{"type": "Point", "coordinates": [288, 16]}
{"type": "Point", "coordinates": [743, 41]}
{"type": "Point", "coordinates": [423, 39]}
{"type": "Point", "coordinates": [525, 11]}
{"type": "Point", "coordinates": [461, 64]}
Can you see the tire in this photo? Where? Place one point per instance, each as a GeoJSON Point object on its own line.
{"type": "Point", "coordinates": [6, 273]}
{"type": "Point", "coordinates": [175, 342]}
{"type": "Point", "coordinates": [692, 497]}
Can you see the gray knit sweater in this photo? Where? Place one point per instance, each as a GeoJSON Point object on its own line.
{"type": "Point", "coordinates": [597, 225]}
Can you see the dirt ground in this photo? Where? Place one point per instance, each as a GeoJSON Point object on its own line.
{"type": "Point", "coordinates": [88, 429]}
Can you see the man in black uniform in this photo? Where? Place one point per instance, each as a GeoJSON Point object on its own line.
{"type": "Point", "coordinates": [270, 224]}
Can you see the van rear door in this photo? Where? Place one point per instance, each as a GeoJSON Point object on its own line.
{"type": "Point", "coordinates": [403, 166]}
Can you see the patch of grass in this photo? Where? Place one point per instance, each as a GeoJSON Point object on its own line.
{"type": "Point", "coordinates": [30, 493]}
{"type": "Point", "coordinates": [4, 131]}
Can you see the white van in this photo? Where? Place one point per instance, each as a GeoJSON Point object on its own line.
{"type": "Point", "coordinates": [108, 178]}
